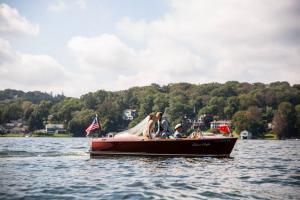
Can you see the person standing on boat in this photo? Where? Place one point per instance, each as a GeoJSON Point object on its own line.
{"type": "Point", "coordinates": [178, 131]}
{"type": "Point", "coordinates": [163, 127]}
{"type": "Point", "coordinates": [149, 129]}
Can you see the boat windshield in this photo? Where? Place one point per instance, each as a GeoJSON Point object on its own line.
{"type": "Point", "coordinates": [137, 130]}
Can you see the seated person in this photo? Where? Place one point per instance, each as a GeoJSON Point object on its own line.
{"type": "Point", "coordinates": [163, 127]}
{"type": "Point", "coordinates": [149, 129]}
{"type": "Point", "coordinates": [178, 131]}
{"type": "Point", "coordinates": [195, 135]}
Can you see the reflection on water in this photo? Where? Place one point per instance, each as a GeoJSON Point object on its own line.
{"type": "Point", "coordinates": [39, 168]}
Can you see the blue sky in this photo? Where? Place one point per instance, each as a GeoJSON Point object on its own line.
{"type": "Point", "coordinates": [84, 45]}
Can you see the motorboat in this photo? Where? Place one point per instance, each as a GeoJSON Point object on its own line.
{"type": "Point", "coordinates": [203, 147]}
{"type": "Point", "coordinates": [130, 142]}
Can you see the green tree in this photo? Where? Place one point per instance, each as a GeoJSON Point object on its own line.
{"type": "Point", "coordinates": [146, 106]}
{"type": "Point", "coordinates": [225, 90]}
{"type": "Point", "coordinates": [110, 113]}
{"type": "Point", "coordinates": [284, 120]}
{"type": "Point", "coordinates": [91, 100]}
{"type": "Point", "coordinates": [232, 106]}
{"type": "Point", "coordinates": [268, 114]}
{"type": "Point", "coordinates": [250, 120]}
{"type": "Point", "coordinates": [27, 108]}
{"type": "Point", "coordinates": [216, 104]}
{"type": "Point", "coordinates": [213, 110]}
{"type": "Point", "coordinates": [1, 114]}
{"type": "Point", "coordinates": [245, 101]}
{"type": "Point", "coordinates": [12, 111]}
{"type": "Point", "coordinates": [80, 121]}
{"type": "Point", "coordinates": [256, 126]}
{"type": "Point", "coordinates": [297, 124]}
{"type": "Point", "coordinates": [35, 120]}
{"type": "Point", "coordinates": [44, 108]}
{"type": "Point", "coordinates": [160, 102]}
{"type": "Point", "coordinates": [229, 111]}
{"type": "Point", "coordinates": [240, 121]}
{"type": "Point", "coordinates": [62, 111]}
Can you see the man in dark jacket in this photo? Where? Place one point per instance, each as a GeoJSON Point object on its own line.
{"type": "Point", "coordinates": [163, 127]}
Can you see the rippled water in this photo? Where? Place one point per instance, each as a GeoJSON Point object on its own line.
{"type": "Point", "coordinates": [56, 168]}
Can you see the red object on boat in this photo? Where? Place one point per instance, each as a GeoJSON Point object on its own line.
{"type": "Point", "coordinates": [207, 146]}
{"type": "Point", "coordinates": [224, 129]}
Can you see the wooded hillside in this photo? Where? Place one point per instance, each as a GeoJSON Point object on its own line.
{"type": "Point", "coordinates": [249, 106]}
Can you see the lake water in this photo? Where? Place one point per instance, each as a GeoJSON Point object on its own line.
{"type": "Point", "coordinates": [60, 168]}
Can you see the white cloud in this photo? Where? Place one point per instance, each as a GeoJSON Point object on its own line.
{"type": "Point", "coordinates": [6, 53]}
{"type": "Point", "coordinates": [82, 4]}
{"type": "Point", "coordinates": [135, 31]}
{"type": "Point", "coordinates": [198, 41]}
{"type": "Point", "coordinates": [61, 5]}
{"type": "Point", "coordinates": [12, 23]}
{"type": "Point", "coordinates": [29, 71]}
{"type": "Point", "coordinates": [102, 54]}
{"type": "Point", "coordinates": [32, 71]}
{"type": "Point", "coordinates": [57, 6]}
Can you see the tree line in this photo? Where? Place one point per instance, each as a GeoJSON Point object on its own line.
{"type": "Point", "coordinates": [249, 106]}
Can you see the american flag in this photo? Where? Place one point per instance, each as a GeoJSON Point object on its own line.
{"type": "Point", "coordinates": [94, 125]}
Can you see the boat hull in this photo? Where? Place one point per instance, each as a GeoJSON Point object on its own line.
{"type": "Point", "coordinates": [212, 147]}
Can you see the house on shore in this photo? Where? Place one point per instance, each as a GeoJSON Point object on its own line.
{"type": "Point", "coordinates": [55, 128]}
{"type": "Point", "coordinates": [129, 114]}
{"type": "Point", "coordinates": [14, 123]}
{"type": "Point", "coordinates": [215, 124]}
{"type": "Point", "coordinates": [245, 135]}
{"type": "Point", "coordinates": [15, 126]}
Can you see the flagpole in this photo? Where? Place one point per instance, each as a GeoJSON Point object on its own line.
{"type": "Point", "coordinates": [99, 129]}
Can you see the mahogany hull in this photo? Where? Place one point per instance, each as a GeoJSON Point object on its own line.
{"type": "Point", "coordinates": [215, 147]}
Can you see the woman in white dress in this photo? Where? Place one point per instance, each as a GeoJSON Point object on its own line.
{"type": "Point", "coordinates": [149, 129]}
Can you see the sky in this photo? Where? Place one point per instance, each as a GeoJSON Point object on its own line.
{"type": "Point", "coordinates": [80, 46]}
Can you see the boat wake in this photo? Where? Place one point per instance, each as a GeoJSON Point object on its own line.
{"type": "Point", "coordinates": [16, 154]}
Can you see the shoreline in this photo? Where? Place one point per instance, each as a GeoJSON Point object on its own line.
{"type": "Point", "coordinates": [36, 135]}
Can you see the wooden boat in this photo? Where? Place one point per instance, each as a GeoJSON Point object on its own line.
{"type": "Point", "coordinates": [206, 146]}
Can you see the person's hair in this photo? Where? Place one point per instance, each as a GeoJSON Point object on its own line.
{"type": "Point", "coordinates": [151, 116]}
{"type": "Point", "coordinates": [159, 114]}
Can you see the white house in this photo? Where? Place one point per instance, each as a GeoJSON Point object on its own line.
{"type": "Point", "coordinates": [245, 135]}
{"type": "Point", "coordinates": [55, 128]}
{"type": "Point", "coordinates": [129, 114]}
{"type": "Point", "coordinates": [215, 124]}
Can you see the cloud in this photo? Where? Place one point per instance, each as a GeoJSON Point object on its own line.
{"type": "Point", "coordinates": [29, 71]}
{"type": "Point", "coordinates": [194, 41]}
{"type": "Point", "coordinates": [12, 23]}
{"type": "Point", "coordinates": [103, 54]}
{"type": "Point", "coordinates": [61, 5]}
{"type": "Point", "coordinates": [32, 71]}
{"type": "Point", "coordinates": [57, 6]}
{"type": "Point", "coordinates": [198, 41]}
{"type": "Point", "coordinates": [6, 53]}
{"type": "Point", "coordinates": [82, 4]}
{"type": "Point", "coordinates": [135, 31]}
